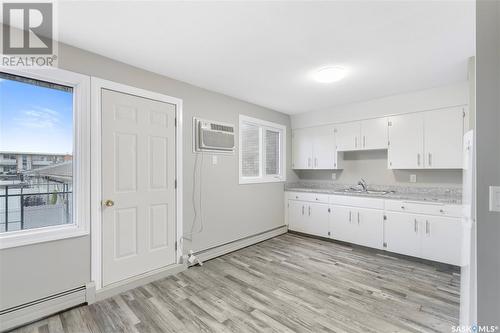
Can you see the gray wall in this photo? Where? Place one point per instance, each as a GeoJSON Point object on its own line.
{"type": "Point", "coordinates": [488, 158]}
{"type": "Point", "coordinates": [372, 166]}
{"type": "Point", "coordinates": [230, 211]}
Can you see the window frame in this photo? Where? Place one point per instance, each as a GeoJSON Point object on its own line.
{"type": "Point", "coordinates": [263, 177]}
{"type": "Point", "coordinates": [81, 157]}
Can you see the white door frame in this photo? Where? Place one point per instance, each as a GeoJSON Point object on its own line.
{"type": "Point", "coordinates": [96, 191]}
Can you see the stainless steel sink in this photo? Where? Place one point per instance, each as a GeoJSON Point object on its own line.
{"type": "Point", "coordinates": [355, 190]}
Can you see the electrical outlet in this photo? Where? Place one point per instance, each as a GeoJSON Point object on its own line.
{"type": "Point", "coordinates": [214, 159]}
{"type": "Point", "coordinates": [413, 178]}
{"type": "Point", "coordinates": [334, 176]}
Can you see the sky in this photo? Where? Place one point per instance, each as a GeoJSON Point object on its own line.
{"type": "Point", "coordinates": [35, 119]}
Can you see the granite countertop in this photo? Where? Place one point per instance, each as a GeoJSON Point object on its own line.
{"type": "Point", "coordinates": [410, 193]}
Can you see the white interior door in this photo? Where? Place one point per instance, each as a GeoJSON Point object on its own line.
{"type": "Point", "coordinates": [138, 184]}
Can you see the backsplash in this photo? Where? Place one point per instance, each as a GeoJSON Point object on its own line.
{"type": "Point", "coordinates": [372, 166]}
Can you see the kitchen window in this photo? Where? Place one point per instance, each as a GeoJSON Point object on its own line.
{"type": "Point", "coordinates": [44, 141]}
{"type": "Point", "coordinates": [261, 151]}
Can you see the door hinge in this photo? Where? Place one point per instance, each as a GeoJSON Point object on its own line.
{"type": "Point", "coordinates": [175, 122]}
{"type": "Point", "coordinates": [385, 244]}
{"type": "Point", "coordinates": [175, 245]}
{"type": "Point", "coordinates": [388, 143]}
{"type": "Point", "coordinates": [175, 184]}
{"type": "Point", "coordinates": [463, 113]}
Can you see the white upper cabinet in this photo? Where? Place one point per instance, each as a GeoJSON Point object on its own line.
{"type": "Point", "coordinates": [374, 134]}
{"type": "Point", "coordinates": [406, 141]}
{"type": "Point", "coordinates": [314, 148]}
{"type": "Point", "coordinates": [362, 135]}
{"type": "Point", "coordinates": [426, 140]}
{"type": "Point", "coordinates": [302, 148]}
{"type": "Point", "coordinates": [347, 136]}
{"type": "Point", "coordinates": [324, 152]}
{"type": "Point", "coordinates": [443, 138]}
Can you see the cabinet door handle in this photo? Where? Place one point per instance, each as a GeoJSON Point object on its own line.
{"type": "Point", "coordinates": [430, 159]}
{"type": "Point", "coordinates": [364, 141]}
{"type": "Point", "coordinates": [355, 142]}
{"type": "Point", "coordinates": [309, 210]}
{"type": "Point", "coordinates": [302, 209]}
{"type": "Point", "coordinates": [416, 226]}
{"type": "Point", "coordinates": [358, 218]}
{"type": "Point", "coordinates": [427, 228]}
{"type": "Point", "coordinates": [350, 216]}
{"type": "Point", "coordinates": [315, 162]}
{"type": "Point", "coordinates": [418, 159]}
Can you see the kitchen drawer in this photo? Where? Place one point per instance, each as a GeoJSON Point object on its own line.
{"type": "Point", "coordinates": [416, 207]}
{"type": "Point", "coordinates": [308, 196]}
{"type": "Point", "coordinates": [358, 202]}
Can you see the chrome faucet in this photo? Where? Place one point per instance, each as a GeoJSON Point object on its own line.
{"type": "Point", "coordinates": [363, 184]}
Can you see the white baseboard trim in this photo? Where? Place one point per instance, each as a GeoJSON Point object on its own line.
{"type": "Point", "coordinates": [239, 244]}
{"type": "Point", "coordinates": [39, 309]}
{"type": "Point", "coordinates": [136, 281]}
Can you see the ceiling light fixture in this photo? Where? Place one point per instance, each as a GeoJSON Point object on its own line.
{"type": "Point", "coordinates": [329, 74]}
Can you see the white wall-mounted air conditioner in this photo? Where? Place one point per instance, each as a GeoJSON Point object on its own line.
{"type": "Point", "coordinates": [213, 136]}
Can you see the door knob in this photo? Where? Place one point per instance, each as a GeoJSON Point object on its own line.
{"type": "Point", "coordinates": [109, 203]}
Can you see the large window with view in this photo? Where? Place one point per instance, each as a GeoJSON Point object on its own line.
{"type": "Point", "coordinates": [262, 151]}
{"type": "Point", "coordinates": [37, 154]}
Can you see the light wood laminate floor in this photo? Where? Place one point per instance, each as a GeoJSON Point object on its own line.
{"type": "Point", "coordinates": [289, 283]}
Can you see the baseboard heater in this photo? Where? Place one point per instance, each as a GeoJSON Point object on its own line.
{"type": "Point", "coordinates": [219, 250]}
{"type": "Point", "coordinates": [29, 312]}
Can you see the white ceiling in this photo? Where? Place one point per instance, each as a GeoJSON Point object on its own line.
{"type": "Point", "coordinates": [263, 52]}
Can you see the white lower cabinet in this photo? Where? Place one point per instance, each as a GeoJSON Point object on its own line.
{"type": "Point", "coordinates": [369, 228]}
{"type": "Point", "coordinates": [441, 240]}
{"type": "Point", "coordinates": [402, 234]}
{"type": "Point", "coordinates": [357, 225]}
{"type": "Point", "coordinates": [341, 227]}
{"type": "Point", "coordinates": [430, 237]}
{"type": "Point", "coordinates": [308, 217]}
{"type": "Point", "coordinates": [418, 229]}
{"type": "Point", "coordinates": [296, 218]}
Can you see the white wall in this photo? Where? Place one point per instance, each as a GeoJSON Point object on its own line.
{"type": "Point", "coordinates": [429, 99]}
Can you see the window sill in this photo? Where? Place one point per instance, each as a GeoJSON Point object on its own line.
{"type": "Point", "coordinates": [244, 181]}
{"type": "Point", "coordinates": [40, 235]}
